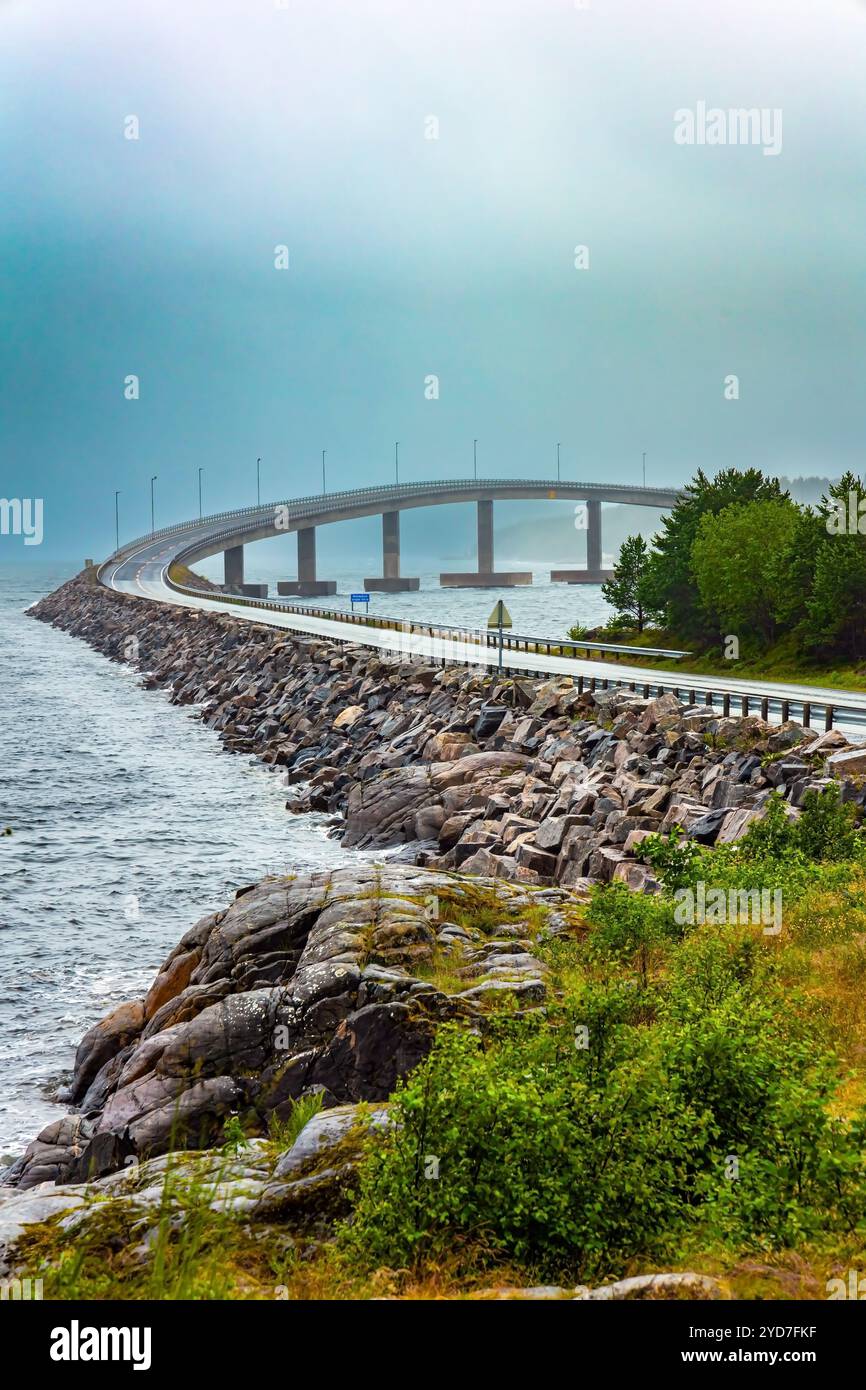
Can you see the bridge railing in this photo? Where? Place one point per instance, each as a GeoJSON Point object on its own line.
{"type": "Point", "coordinates": [318, 503]}
{"type": "Point", "coordinates": [488, 637]}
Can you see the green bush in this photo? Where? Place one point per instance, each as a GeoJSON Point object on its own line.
{"type": "Point", "coordinates": [629, 928]}
{"type": "Point", "coordinates": [778, 850]}
{"type": "Point", "coordinates": [506, 1149]}
{"type": "Point", "coordinates": [804, 1180]}
{"type": "Point", "coordinates": [677, 1092]}
{"type": "Point", "coordinates": [574, 1159]}
{"type": "Point", "coordinates": [827, 829]}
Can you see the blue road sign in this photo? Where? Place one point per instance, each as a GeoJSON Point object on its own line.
{"type": "Point", "coordinates": [359, 598]}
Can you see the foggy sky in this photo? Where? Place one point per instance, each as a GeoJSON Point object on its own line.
{"type": "Point", "coordinates": [305, 126]}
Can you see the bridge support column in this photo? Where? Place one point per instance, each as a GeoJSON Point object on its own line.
{"type": "Point", "coordinates": [307, 585]}
{"type": "Point", "coordinates": [593, 574]}
{"type": "Point", "coordinates": [233, 559]}
{"type": "Point", "coordinates": [593, 536]}
{"type": "Point", "coordinates": [485, 536]}
{"type": "Point", "coordinates": [234, 567]}
{"type": "Point", "coordinates": [486, 577]}
{"type": "Point", "coordinates": [390, 581]}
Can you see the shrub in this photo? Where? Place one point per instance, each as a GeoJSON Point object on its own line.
{"type": "Point", "coordinates": [672, 858]}
{"type": "Point", "coordinates": [602, 1131]}
{"type": "Point", "coordinates": [507, 1151]}
{"type": "Point", "coordinates": [629, 928]}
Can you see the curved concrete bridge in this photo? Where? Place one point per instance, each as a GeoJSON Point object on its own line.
{"type": "Point", "coordinates": [230, 531]}
{"type": "Point", "coordinates": [141, 567]}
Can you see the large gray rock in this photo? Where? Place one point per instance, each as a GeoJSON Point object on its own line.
{"type": "Point", "coordinates": [319, 989]}
{"type": "Point", "coordinates": [657, 1286]}
{"type": "Point", "coordinates": [19, 1209]}
{"type": "Point", "coordinates": [323, 1132]}
{"type": "Point", "coordinates": [848, 763]}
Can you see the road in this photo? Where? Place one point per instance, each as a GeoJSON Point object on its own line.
{"type": "Point", "coordinates": [144, 573]}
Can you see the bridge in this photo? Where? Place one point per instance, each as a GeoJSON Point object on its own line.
{"type": "Point", "coordinates": [143, 568]}
{"type": "Point", "coordinates": [229, 532]}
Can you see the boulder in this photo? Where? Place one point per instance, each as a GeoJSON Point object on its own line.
{"type": "Point", "coordinates": [323, 1132]}
{"type": "Point", "coordinates": [102, 1041]}
{"type": "Point", "coordinates": [847, 764]}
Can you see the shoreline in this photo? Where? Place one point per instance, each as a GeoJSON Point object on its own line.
{"type": "Point", "coordinates": [514, 778]}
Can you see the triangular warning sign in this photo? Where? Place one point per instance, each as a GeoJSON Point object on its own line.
{"type": "Point", "coordinates": [500, 617]}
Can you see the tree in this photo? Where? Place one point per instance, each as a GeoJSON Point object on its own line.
{"type": "Point", "coordinates": [835, 622]}
{"type": "Point", "coordinates": [797, 570]}
{"type": "Point", "coordinates": [670, 586]}
{"type": "Point", "coordinates": [736, 559]}
{"type": "Point", "coordinates": [626, 591]}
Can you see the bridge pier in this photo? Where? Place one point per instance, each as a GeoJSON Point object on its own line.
{"type": "Point", "coordinates": [390, 581]}
{"type": "Point", "coordinates": [593, 574]}
{"type": "Point", "coordinates": [307, 585]}
{"type": "Point", "coordinates": [233, 560]}
{"type": "Point", "coordinates": [485, 577]}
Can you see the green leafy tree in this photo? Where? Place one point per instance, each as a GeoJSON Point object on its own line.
{"type": "Point", "coordinates": [797, 569]}
{"type": "Point", "coordinates": [835, 618]}
{"type": "Point", "coordinates": [736, 561]}
{"type": "Point", "coordinates": [626, 592]}
{"type": "Point", "coordinates": [670, 585]}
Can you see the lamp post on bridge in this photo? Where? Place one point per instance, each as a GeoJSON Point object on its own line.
{"type": "Point", "coordinates": [557, 462]}
{"type": "Point", "coordinates": [397, 461]}
{"type": "Point", "coordinates": [200, 471]}
{"type": "Point", "coordinates": [116, 523]}
{"type": "Point", "coordinates": [152, 521]}
{"type": "Point", "coordinates": [644, 469]}
{"type": "Point", "coordinates": [324, 488]}
{"type": "Point", "coordinates": [475, 459]}
{"type": "Point", "coordinates": [258, 482]}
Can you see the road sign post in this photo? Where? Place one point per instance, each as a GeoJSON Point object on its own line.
{"type": "Point", "coordinates": [499, 618]}
{"type": "Point", "coordinates": [358, 598]}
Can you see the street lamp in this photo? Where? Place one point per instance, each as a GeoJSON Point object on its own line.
{"type": "Point", "coordinates": [258, 483]}
{"type": "Point", "coordinates": [557, 462]}
{"type": "Point", "coordinates": [200, 471]}
{"type": "Point", "coordinates": [475, 459]}
{"type": "Point", "coordinates": [397, 461]}
{"type": "Point", "coordinates": [644, 470]}
{"type": "Point", "coordinates": [324, 487]}
{"type": "Point", "coordinates": [152, 522]}
{"type": "Point", "coordinates": [116, 523]}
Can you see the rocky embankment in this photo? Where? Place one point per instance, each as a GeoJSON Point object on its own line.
{"type": "Point", "coordinates": [326, 987]}
{"type": "Point", "coordinates": [510, 798]}
{"type": "Point", "coordinates": [523, 780]}
{"type": "Point", "coordinates": [322, 982]}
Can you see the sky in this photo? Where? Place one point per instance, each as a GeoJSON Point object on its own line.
{"type": "Point", "coordinates": [430, 169]}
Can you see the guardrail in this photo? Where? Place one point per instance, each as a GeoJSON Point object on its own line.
{"type": "Point", "coordinates": [489, 637]}
{"type": "Point", "coordinates": [514, 640]}
{"type": "Point", "coordinates": [743, 703]}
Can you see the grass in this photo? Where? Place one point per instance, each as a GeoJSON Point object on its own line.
{"type": "Point", "coordinates": [283, 1133]}
{"type": "Point", "coordinates": [446, 969]}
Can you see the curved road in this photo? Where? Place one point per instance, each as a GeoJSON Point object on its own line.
{"type": "Point", "coordinates": [142, 569]}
